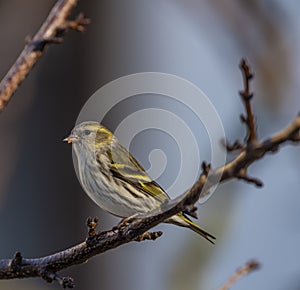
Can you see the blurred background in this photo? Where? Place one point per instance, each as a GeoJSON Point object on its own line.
{"type": "Point", "coordinates": [42, 206]}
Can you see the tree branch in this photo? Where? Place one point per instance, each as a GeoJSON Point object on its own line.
{"type": "Point", "coordinates": [247, 96]}
{"type": "Point", "coordinates": [52, 31]}
{"type": "Point", "coordinates": [136, 228]}
{"type": "Point", "coordinates": [248, 268]}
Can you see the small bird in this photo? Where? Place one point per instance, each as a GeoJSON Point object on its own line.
{"type": "Point", "coordinates": [115, 180]}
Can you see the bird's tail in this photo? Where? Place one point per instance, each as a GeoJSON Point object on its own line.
{"type": "Point", "coordinates": [183, 221]}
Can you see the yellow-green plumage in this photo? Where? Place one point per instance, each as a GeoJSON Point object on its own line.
{"type": "Point", "coordinates": [115, 180]}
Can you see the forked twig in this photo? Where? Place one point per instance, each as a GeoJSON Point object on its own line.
{"type": "Point", "coordinates": [51, 31]}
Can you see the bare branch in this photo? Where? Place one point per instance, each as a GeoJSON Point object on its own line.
{"type": "Point", "coordinates": [51, 31]}
{"type": "Point", "coordinates": [242, 271]}
{"type": "Point", "coordinates": [237, 167]}
{"type": "Point", "coordinates": [247, 96]}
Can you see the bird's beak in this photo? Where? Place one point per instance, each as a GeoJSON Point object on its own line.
{"type": "Point", "coordinates": [70, 139]}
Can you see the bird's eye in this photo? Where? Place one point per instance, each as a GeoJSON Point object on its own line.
{"type": "Point", "coordinates": [87, 132]}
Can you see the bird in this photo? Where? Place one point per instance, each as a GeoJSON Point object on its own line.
{"type": "Point", "coordinates": [115, 180]}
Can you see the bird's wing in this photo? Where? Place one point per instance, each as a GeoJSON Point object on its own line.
{"type": "Point", "coordinates": [126, 168]}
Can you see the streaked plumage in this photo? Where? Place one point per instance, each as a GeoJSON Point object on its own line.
{"type": "Point", "coordinates": [114, 179]}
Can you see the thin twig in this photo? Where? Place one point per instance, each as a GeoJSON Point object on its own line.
{"type": "Point", "coordinates": [247, 96]}
{"type": "Point", "coordinates": [51, 31]}
{"type": "Point", "coordinates": [242, 271]}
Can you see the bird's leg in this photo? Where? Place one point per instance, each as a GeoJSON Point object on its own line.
{"type": "Point", "coordinates": [127, 220]}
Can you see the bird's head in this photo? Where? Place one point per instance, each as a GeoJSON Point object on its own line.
{"type": "Point", "coordinates": [90, 134]}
